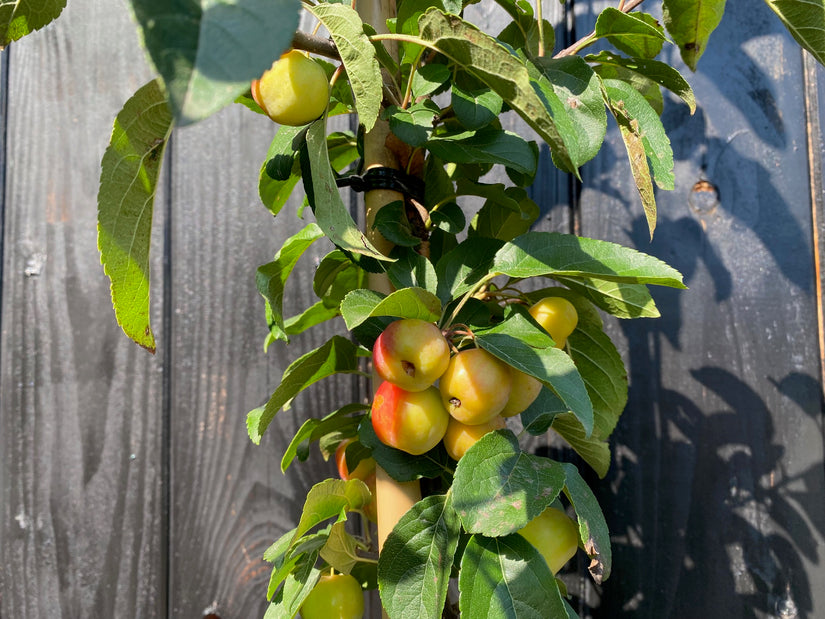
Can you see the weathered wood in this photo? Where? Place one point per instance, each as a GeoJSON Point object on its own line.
{"type": "Point", "coordinates": [80, 412]}
{"type": "Point", "coordinates": [229, 500]}
{"type": "Point", "coordinates": [128, 486]}
{"type": "Point", "coordinates": [715, 497]}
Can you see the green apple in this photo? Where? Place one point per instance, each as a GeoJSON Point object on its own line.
{"type": "Point", "coordinates": [554, 535]}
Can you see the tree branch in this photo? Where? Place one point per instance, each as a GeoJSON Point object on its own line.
{"type": "Point", "coordinates": [624, 7]}
{"type": "Point", "coordinates": [314, 44]}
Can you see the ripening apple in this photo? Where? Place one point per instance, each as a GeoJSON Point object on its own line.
{"type": "Point", "coordinates": [557, 316]}
{"type": "Point", "coordinates": [294, 91]}
{"type": "Point", "coordinates": [362, 470]}
{"type": "Point", "coordinates": [460, 437]}
{"type": "Point", "coordinates": [554, 535]}
{"type": "Point", "coordinates": [475, 387]}
{"type": "Point", "coordinates": [412, 421]}
{"type": "Point", "coordinates": [524, 389]}
{"type": "Point", "coordinates": [411, 354]}
{"type": "Point", "coordinates": [335, 596]}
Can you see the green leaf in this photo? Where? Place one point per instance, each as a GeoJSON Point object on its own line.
{"type": "Point", "coordinates": [335, 277]}
{"type": "Point", "coordinates": [358, 56]}
{"type": "Point", "coordinates": [313, 429]}
{"type": "Point", "coordinates": [553, 254]}
{"type": "Point", "coordinates": [636, 34]}
{"type": "Point", "coordinates": [498, 488]}
{"type": "Point", "coordinates": [522, 344]}
{"type": "Point", "coordinates": [659, 72]}
{"type": "Point", "coordinates": [331, 498]}
{"type": "Point", "coordinates": [361, 304]}
{"type": "Point", "coordinates": [128, 180]}
{"type": "Point", "coordinates": [271, 277]}
{"type": "Point", "coordinates": [603, 372]}
{"type": "Point", "coordinates": [429, 78]}
{"type": "Point", "coordinates": [449, 217]}
{"type": "Point", "coordinates": [21, 17]}
{"type": "Point", "coordinates": [338, 355]}
{"type": "Point", "coordinates": [414, 124]}
{"type": "Point", "coordinates": [475, 108]}
{"type": "Point", "coordinates": [330, 212]}
{"type": "Point", "coordinates": [288, 560]}
{"type": "Point", "coordinates": [483, 57]}
{"type": "Point", "coordinates": [461, 268]}
{"type": "Point", "coordinates": [391, 221]}
{"type": "Point", "coordinates": [412, 270]}
{"type": "Point", "coordinates": [297, 586]}
{"type": "Point", "coordinates": [617, 298]}
{"type": "Point", "coordinates": [486, 146]}
{"type": "Point", "coordinates": [690, 23]}
{"type": "Point", "coordinates": [340, 550]}
{"type": "Point", "coordinates": [577, 87]}
{"type": "Point", "coordinates": [649, 89]}
{"type": "Point", "coordinates": [540, 415]}
{"type": "Point", "coordinates": [409, 12]}
{"type": "Point", "coordinates": [493, 221]}
{"type": "Point", "coordinates": [414, 565]}
{"type": "Point", "coordinates": [208, 52]}
{"type": "Point", "coordinates": [594, 451]}
{"type": "Point", "coordinates": [314, 315]}
{"type": "Point", "coordinates": [281, 171]}
{"type": "Point", "coordinates": [805, 20]}
{"type": "Point", "coordinates": [343, 149]}
{"type": "Point", "coordinates": [593, 530]}
{"type": "Point", "coordinates": [400, 465]}
{"type": "Point", "coordinates": [645, 140]}
{"type": "Point", "coordinates": [505, 578]}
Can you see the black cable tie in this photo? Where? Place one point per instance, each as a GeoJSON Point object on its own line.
{"type": "Point", "coordinates": [385, 178]}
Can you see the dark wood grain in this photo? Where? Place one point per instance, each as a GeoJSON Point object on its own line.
{"type": "Point", "coordinates": [128, 486]}
{"type": "Point", "coordinates": [715, 496]}
{"type": "Point", "coordinates": [229, 500]}
{"type": "Point", "coordinates": [80, 423]}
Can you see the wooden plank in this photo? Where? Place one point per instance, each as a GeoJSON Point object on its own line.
{"type": "Point", "coordinates": [715, 497]}
{"type": "Point", "coordinates": [229, 500]}
{"type": "Point", "coordinates": [80, 424]}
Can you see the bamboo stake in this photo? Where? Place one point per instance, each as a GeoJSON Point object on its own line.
{"type": "Point", "coordinates": [393, 499]}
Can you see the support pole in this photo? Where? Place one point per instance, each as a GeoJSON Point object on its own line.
{"type": "Point", "coordinates": [393, 499]}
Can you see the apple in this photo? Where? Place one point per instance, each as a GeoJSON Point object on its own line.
{"type": "Point", "coordinates": [294, 91]}
{"type": "Point", "coordinates": [363, 469]}
{"type": "Point", "coordinates": [557, 316]}
{"type": "Point", "coordinates": [412, 421]}
{"type": "Point", "coordinates": [524, 389]}
{"type": "Point", "coordinates": [411, 354]}
{"type": "Point", "coordinates": [475, 387]}
{"type": "Point", "coordinates": [460, 437]}
{"type": "Point", "coordinates": [335, 596]}
{"type": "Point", "coordinates": [554, 535]}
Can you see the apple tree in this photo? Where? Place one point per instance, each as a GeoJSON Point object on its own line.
{"type": "Point", "coordinates": [446, 305]}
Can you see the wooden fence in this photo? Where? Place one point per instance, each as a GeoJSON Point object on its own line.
{"type": "Point", "coordinates": [128, 486]}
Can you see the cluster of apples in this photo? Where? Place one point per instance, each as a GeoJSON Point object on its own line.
{"type": "Point", "coordinates": [475, 391]}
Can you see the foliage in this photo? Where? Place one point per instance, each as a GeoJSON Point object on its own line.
{"type": "Point", "coordinates": [441, 97]}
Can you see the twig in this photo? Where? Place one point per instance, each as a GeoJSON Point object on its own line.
{"type": "Point", "coordinates": [624, 7]}
{"type": "Point", "coordinates": [315, 44]}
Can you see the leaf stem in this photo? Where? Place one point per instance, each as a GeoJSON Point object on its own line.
{"type": "Point", "coordinates": [404, 38]}
{"type": "Point", "coordinates": [408, 92]}
{"type": "Point", "coordinates": [624, 7]}
{"type": "Point", "coordinates": [540, 20]}
{"type": "Point", "coordinates": [478, 286]}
